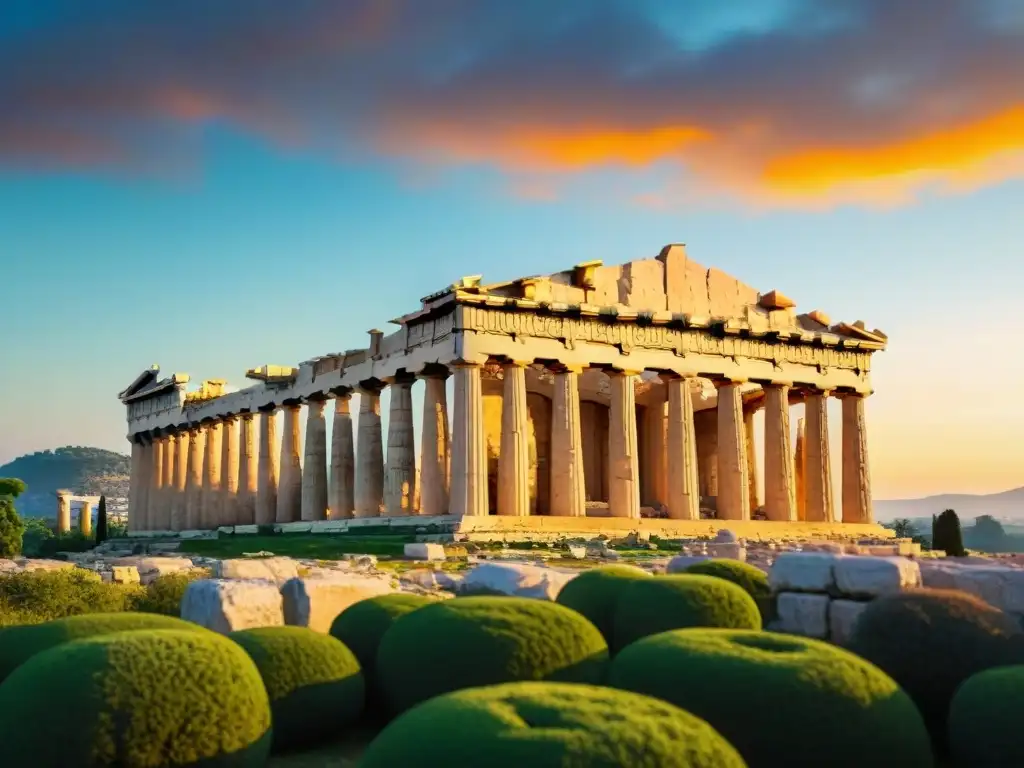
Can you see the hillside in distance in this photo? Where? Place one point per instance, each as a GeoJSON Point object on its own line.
{"type": "Point", "coordinates": [86, 471]}
{"type": "Point", "coordinates": [1008, 505]}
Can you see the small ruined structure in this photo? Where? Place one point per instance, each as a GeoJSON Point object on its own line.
{"type": "Point", "coordinates": [598, 397]}
{"type": "Point", "coordinates": [86, 504]}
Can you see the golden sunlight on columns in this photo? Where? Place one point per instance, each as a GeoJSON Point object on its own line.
{"type": "Point", "coordinates": [683, 482]}
{"type": "Point", "coordinates": [800, 471]}
{"type": "Point", "coordinates": [779, 498]}
{"type": "Point", "coordinates": [248, 475]}
{"type": "Point", "coordinates": [654, 457]}
{"type": "Point", "coordinates": [63, 512]}
{"type": "Point", "coordinates": [857, 507]}
{"type": "Point", "coordinates": [341, 494]}
{"type": "Point", "coordinates": [820, 506]}
{"type": "Point", "coordinates": [314, 470]}
{"type": "Point", "coordinates": [400, 475]}
{"type": "Point", "coordinates": [751, 448]}
{"type": "Point", "coordinates": [369, 452]}
{"type": "Point", "coordinates": [179, 505]}
{"type": "Point", "coordinates": [165, 498]}
{"type": "Point", "coordinates": [85, 518]}
{"type": "Point", "coordinates": [433, 482]}
{"type": "Point", "coordinates": [733, 486]}
{"type": "Point", "coordinates": [468, 487]}
{"type": "Point", "coordinates": [194, 479]}
{"type": "Point", "coordinates": [514, 456]}
{"type": "Point", "coordinates": [135, 483]}
{"type": "Point", "coordinates": [154, 511]}
{"type": "Point", "coordinates": [568, 490]}
{"type": "Point", "coordinates": [289, 484]}
{"type": "Point", "coordinates": [229, 472]}
{"type": "Point", "coordinates": [623, 469]}
{"type": "Point", "coordinates": [269, 471]}
{"type": "Point", "coordinates": [210, 515]}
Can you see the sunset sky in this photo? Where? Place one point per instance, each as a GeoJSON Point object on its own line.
{"type": "Point", "coordinates": [215, 186]}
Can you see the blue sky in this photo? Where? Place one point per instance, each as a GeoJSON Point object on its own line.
{"type": "Point", "coordinates": [188, 214]}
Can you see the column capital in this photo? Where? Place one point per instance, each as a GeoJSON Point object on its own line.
{"type": "Point", "coordinates": [319, 397]}
{"type": "Point", "coordinates": [268, 408]}
{"type": "Point", "coordinates": [228, 418]}
{"type": "Point", "coordinates": [433, 371]}
{"type": "Point", "coordinates": [508, 362]}
{"type": "Point", "coordinates": [341, 393]}
{"type": "Point", "coordinates": [560, 367]}
{"type": "Point", "coordinates": [842, 394]}
{"type": "Point", "coordinates": [773, 383]}
{"type": "Point", "coordinates": [726, 381]}
{"type": "Point", "coordinates": [370, 387]}
{"type": "Point", "coordinates": [622, 372]}
{"type": "Point", "coordinates": [400, 378]}
{"type": "Point", "coordinates": [469, 361]}
{"type": "Point", "coordinates": [292, 403]}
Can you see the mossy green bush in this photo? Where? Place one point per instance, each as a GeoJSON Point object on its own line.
{"type": "Point", "coordinates": [362, 625]}
{"type": "Point", "coordinates": [31, 597]}
{"type": "Point", "coordinates": [314, 682]}
{"type": "Point", "coordinates": [649, 606]}
{"type": "Point", "coordinates": [752, 579]}
{"type": "Point", "coordinates": [984, 717]}
{"type": "Point", "coordinates": [163, 595]}
{"type": "Point", "coordinates": [472, 641]}
{"type": "Point", "coordinates": [19, 644]}
{"type": "Point", "coordinates": [594, 593]}
{"type": "Point", "coordinates": [780, 699]}
{"type": "Point", "coordinates": [930, 641]}
{"type": "Point", "coordinates": [146, 698]}
{"type": "Point", "coordinates": [548, 724]}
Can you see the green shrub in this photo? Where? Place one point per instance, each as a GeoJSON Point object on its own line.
{"type": "Point", "coordinates": [71, 541]}
{"type": "Point", "coordinates": [930, 641]}
{"type": "Point", "coordinates": [147, 698]}
{"type": "Point", "coordinates": [649, 606]}
{"type": "Point", "coordinates": [11, 529]}
{"type": "Point", "coordinates": [314, 682]}
{"type": "Point", "coordinates": [163, 595]}
{"type": "Point", "coordinates": [752, 579]}
{"type": "Point", "coordinates": [548, 724]}
{"type": "Point", "coordinates": [31, 597]}
{"type": "Point", "coordinates": [593, 593]}
{"type": "Point", "coordinates": [947, 534]}
{"type": "Point", "coordinates": [471, 641]}
{"type": "Point", "coordinates": [984, 717]}
{"type": "Point", "coordinates": [780, 699]}
{"type": "Point", "coordinates": [19, 644]}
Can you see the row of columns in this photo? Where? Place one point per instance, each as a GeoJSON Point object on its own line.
{"type": "Point", "coordinates": [64, 515]}
{"type": "Point", "coordinates": [211, 474]}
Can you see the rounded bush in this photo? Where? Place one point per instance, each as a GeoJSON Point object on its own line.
{"type": "Point", "coordinates": [752, 579]}
{"type": "Point", "coordinates": [314, 682]}
{"type": "Point", "coordinates": [19, 644]}
{"type": "Point", "coordinates": [593, 593]}
{"type": "Point", "coordinates": [362, 625]}
{"type": "Point", "coordinates": [930, 641]}
{"type": "Point", "coordinates": [164, 594]}
{"type": "Point", "coordinates": [779, 699]}
{"type": "Point", "coordinates": [984, 717]}
{"type": "Point", "coordinates": [151, 697]}
{"type": "Point", "coordinates": [649, 606]}
{"type": "Point", "coordinates": [472, 641]}
{"type": "Point", "coordinates": [548, 725]}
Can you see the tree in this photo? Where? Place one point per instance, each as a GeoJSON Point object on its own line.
{"type": "Point", "coordinates": [987, 534]}
{"type": "Point", "coordinates": [11, 527]}
{"type": "Point", "coordinates": [101, 521]}
{"type": "Point", "coordinates": [947, 535]}
{"type": "Point", "coordinates": [12, 486]}
{"type": "Point", "coordinates": [902, 527]}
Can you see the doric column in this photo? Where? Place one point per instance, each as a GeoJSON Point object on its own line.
{"type": "Point", "coordinates": [623, 468]}
{"type": "Point", "coordinates": [751, 448]}
{"type": "Point", "coordinates": [800, 470]}
{"type": "Point", "coordinates": [210, 515]}
{"type": "Point", "coordinates": [85, 518]}
{"type": "Point", "coordinates": [229, 472]}
{"type": "Point", "coordinates": [369, 453]}
{"type": "Point", "coordinates": [468, 488]}
{"type": "Point", "coordinates": [63, 513]}
{"type": "Point", "coordinates": [857, 507]}
{"type": "Point", "coordinates": [820, 505]}
{"type": "Point", "coordinates": [514, 456]}
{"type": "Point", "coordinates": [248, 474]}
{"type": "Point", "coordinates": [400, 474]}
{"type": "Point", "coordinates": [433, 484]}
{"type": "Point", "coordinates": [343, 459]}
{"type": "Point", "coordinates": [289, 486]}
{"type": "Point", "coordinates": [733, 486]}
{"type": "Point", "coordinates": [568, 490]}
{"type": "Point", "coordinates": [194, 480]}
{"type": "Point", "coordinates": [314, 470]}
{"type": "Point", "coordinates": [683, 483]}
{"type": "Point", "coordinates": [706, 425]}
{"type": "Point", "coordinates": [266, 489]}
{"type": "Point", "coordinates": [136, 498]}
{"type": "Point", "coordinates": [654, 456]}
{"type": "Point", "coordinates": [779, 497]}
{"type": "Point", "coordinates": [169, 493]}
{"type": "Point", "coordinates": [180, 502]}
{"type": "Point", "coordinates": [155, 507]}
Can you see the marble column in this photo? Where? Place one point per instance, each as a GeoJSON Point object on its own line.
{"type": "Point", "coordinates": [800, 471]}
{"type": "Point", "coordinates": [400, 471]}
{"type": "Point", "coordinates": [170, 490]}
{"type": "Point", "coordinates": [63, 513]}
{"type": "Point", "coordinates": [155, 507]}
{"type": "Point", "coordinates": [289, 487]}
{"type": "Point", "coordinates": [733, 485]}
{"type": "Point", "coordinates": [314, 469]}
{"type": "Point", "coordinates": [248, 476]}
{"type": "Point", "coordinates": [751, 441]}
{"type": "Point", "coordinates": [683, 482]}
{"type": "Point", "coordinates": [514, 456]}
{"type": "Point", "coordinates": [468, 487]}
{"type": "Point", "coordinates": [211, 507]}
{"type": "Point", "coordinates": [135, 483]}
{"type": "Point", "coordinates": [229, 472]}
{"type": "Point", "coordinates": [568, 490]}
{"type": "Point", "coordinates": [343, 460]}
{"type": "Point", "coordinates": [623, 469]}
{"type": "Point", "coordinates": [194, 479]}
{"type": "Point", "coordinates": [779, 498]}
{"type": "Point", "coordinates": [85, 518]}
{"type": "Point", "coordinates": [706, 425]}
{"type": "Point", "coordinates": [266, 493]}
{"type": "Point", "coordinates": [856, 480]}
{"type": "Point", "coordinates": [369, 454]}
{"type": "Point", "coordinates": [433, 481]}
{"type": "Point", "coordinates": [820, 505]}
{"type": "Point", "coordinates": [654, 456]}
{"type": "Point", "coordinates": [180, 505]}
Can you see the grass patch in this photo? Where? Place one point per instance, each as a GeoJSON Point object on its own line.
{"type": "Point", "coordinates": [308, 546]}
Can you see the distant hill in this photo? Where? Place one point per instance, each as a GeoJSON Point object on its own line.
{"type": "Point", "coordinates": [1008, 505]}
{"type": "Point", "coordinates": [87, 471]}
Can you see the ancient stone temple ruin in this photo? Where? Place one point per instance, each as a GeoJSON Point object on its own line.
{"type": "Point", "coordinates": [598, 397]}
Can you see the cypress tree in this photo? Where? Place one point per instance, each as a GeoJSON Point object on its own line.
{"type": "Point", "coordinates": [948, 535]}
{"type": "Point", "coordinates": [101, 521]}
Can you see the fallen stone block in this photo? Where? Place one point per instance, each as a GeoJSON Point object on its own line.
{"type": "Point", "coordinates": [315, 603]}
{"type": "Point", "coordinates": [937, 574]}
{"type": "Point", "coordinates": [46, 565]}
{"type": "Point", "coordinates": [803, 572]}
{"type": "Point", "coordinates": [124, 574]}
{"type": "Point", "coordinates": [1000, 587]}
{"type": "Point", "coordinates": [515, 579]}
{"type": "Point", "coordinates": [728, 551]}
{"type": "Point", "coordinates": [842, 617]}
{"type": "Point", "coordinates": [680, 563]}
{"type": "Point", "coordinates": [152, 568]}
{"type": "Point", "coordinates": [875, 576]}
{"type": "Point", "coordinates": [275, 569]}
{"type": "Point", "coordinates": [426, 578]}
{"type": "Point", "coordinates": [226, 605]}
{"type": "Point", "coordinates": [800, 613]}
{"type": "Point", "coordinates": [424, 551]}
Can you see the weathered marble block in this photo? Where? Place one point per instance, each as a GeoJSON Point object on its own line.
{"type": "Point", "coordinates": [800, 613]}
{"type": "Point", "coordinates": [152, 568]}
{"type": "Point", "coordinates": [515, 579]}
{"type": "Point", "coordinates": [315, 603]}
{"type": "Point", "coordinates": [424, 551]}
{"type": "Point", "coordinates": [1000, 587]}
{"type": "Point", "coordinates": [867, 576]}
{"type": "Point", "coordinates": [227, 605]}
{"type": "Point", "coordinates": [276, 569]}
{"type": "Point", "coordinates": [680, 563]}
{"type": "Point", "coordinates": [124, 574]}
{"type": "Point", "coordinates": [803, 572]}
{"type": "Point", "coordinates": [842, 617]}
{"type": "Point", "coordinates": [730, 551]}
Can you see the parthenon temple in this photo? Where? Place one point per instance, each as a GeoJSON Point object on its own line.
{"type": "Point", "coordinates": [581, 398]}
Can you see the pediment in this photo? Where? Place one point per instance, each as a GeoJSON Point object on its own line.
{"type": "Point", "coordinates": [142, 382]}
